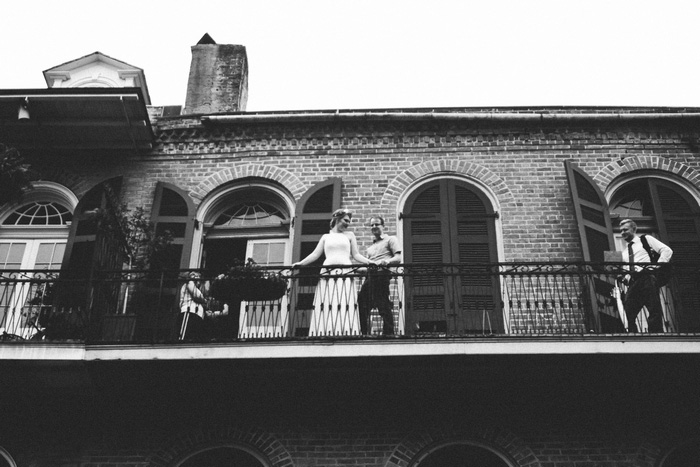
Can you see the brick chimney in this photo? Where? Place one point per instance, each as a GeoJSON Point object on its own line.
{"type": "Point", "coordinates": [218, 79]}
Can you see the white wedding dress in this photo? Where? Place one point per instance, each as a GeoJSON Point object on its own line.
{"type": "Point", "coordinates": [335, 310]}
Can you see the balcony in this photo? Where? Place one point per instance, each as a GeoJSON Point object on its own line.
{"type": "Point", "coordinates": [439, 301]}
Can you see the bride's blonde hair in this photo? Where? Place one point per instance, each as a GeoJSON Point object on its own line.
{"type": "Point", "coordinates": [339, 214]}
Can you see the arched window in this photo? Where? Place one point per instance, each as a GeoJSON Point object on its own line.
{"type": "Point", "coordinates": [247, 219]}
{"type": "Point", "coordinates": [246, 222]}
{"type": "Point", "coordinates": [40, 213]}
{"type": "Point", "coordinates": [250, 214]}
{"type": "Point", "coordinates": [34, 231]}
{"type": "Point", "coordinates": [687, 454]}
{"type": "Point", "coordinates": [223, 457]}
{"type": "Point", "coordinates": [33, 237]}
{"type": "Point", "coordinates": [669, 211]}
{"type": "Point", "coordinates": [449, 221]}
{"type": "Point", "coordinates": [460, 455]}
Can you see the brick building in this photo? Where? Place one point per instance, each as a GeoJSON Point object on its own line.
{"type": "Point", "coordinates": [511, 349]}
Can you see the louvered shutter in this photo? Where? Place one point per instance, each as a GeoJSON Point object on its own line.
{"type": "Point", "coordinates": [679, 227]}
{"type": "Point", "coordinates": [448, 227]}
{"type": "Point", "coordinates": [173, 212]}
{"type": "Point", "coordinates": [95, 244]}
{"type": "Point", "coordinates": [475, 238]}
{"type": "Point", "coordinates": [313, 215]}
{"type": "Point", "coordinates": [596, 237]}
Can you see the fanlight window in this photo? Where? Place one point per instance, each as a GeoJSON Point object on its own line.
{"type": "Point", "coordinates": [40, 213]}
{"type": "Point", "coordinates": [632, 201]}
{"type": "Point", "coordinates": [250, 215]}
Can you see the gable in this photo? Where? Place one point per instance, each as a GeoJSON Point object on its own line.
{"type": "Point", "coordinates": [97, 70]}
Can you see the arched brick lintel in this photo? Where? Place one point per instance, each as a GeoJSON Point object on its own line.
{"type": "Point", "coordinates": [633, 163]}
{"type": "Point", "coordinates": [504, 441]}
{"type": "Point", "coordinates": [242, 170]}
{"type": "Point", "coordinates": [199, 439]}
{"type": "Point", "coordinates": [452, 166]}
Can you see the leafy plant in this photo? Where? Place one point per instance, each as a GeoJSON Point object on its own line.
{"type": "Point", "coordinates": [147, 248]}
{"type": "Point", "coordinates": [144, 247]}
{"type": "Point", "coordinates": [15, 174]}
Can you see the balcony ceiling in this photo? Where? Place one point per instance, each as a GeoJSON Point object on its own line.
{"type": "Point", "coordinates": [76, 119]}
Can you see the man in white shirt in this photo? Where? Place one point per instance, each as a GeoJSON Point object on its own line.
{"type": "Point", "coordinates": [643, 287]}
{"type": "Point", "coordinates": [384, 251]}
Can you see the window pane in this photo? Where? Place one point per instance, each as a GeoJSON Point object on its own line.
{"type": "Point", "coordinates": [321, 201]}
{"type": "Point", "coordinates": [12, 256]}
{"type": "Point", "coordinates": [277, 253]}
{"type": "Point", "coordinates": [261, 252]}
{"type": "Point", "coordinates": [49, 255]}
{"type": "Point", "coordinates": [172, 204]}
{"type": "Point", "coordinates": [250, 215]}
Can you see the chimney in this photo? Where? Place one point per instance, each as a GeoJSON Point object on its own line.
{"type": "Point", "coordinates": [218, 79]}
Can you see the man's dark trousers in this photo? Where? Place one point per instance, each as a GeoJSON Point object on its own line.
{"type": "Point", "coordinates": [643, 291]}
{"type": "Point", "coordinates": [375, 294]}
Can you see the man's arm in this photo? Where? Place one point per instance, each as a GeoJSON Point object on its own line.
{"type": "Point", "coordinates": [664, 250]}
{"type": "Point", "coordinates": [395, 249]}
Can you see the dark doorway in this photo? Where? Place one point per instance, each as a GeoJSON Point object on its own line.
{"type": "Point", "coordinates": [222, 457]}
{"type": "Point", "coordinates": [463, 455]}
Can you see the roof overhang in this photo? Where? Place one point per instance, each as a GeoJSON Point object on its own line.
{"type": "Point", "coordinates": [75, 119]}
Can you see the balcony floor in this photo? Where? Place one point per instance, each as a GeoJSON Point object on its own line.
{"type": "Point", "coordinates": [350, 348]}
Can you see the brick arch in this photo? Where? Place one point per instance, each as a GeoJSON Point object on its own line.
{"type": "Point", "coordinates": [452, 166]}
{"type": "Point", "coordinates": [633, 163]}
{"type": "Point", "coordinates": [242, 170]}
{"type": "Point", "coordinates": [72, 181]}
{"type": "Point", "coordinates": [502, 440]}
{"type": "Point", "coordinates": [197, 439]}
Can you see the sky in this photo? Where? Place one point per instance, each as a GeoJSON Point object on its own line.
{"type": "Point", "coordinates": [373, 54]}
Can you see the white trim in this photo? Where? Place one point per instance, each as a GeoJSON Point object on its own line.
{"type": "Point", "coordinates": [43, 351]}
{"type": "Point", "coordinates": [42, 191]}
{"type": "Point", "coordinates": [17, 232]}
{"type": "Point", "coordinates": [351, 348]}
{"type": "Point", "coordinates": [6, 455]}
{"type": "Point", "coordinates": [216, 197]}
{"type": "Point", "coordinates": [399, 347]}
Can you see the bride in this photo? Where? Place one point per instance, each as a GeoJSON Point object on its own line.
{"type": "Point", "coordinates": [335, 311]}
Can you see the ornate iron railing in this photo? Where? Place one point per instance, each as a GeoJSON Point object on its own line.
{"type": "Point", "coordinates": [438, 300]}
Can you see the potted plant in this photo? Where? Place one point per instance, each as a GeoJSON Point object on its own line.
{"type": "Point", "coordinates": [145, 250]}
{"type": "Point", "coordinates": [248, 281]}
{"type": "Point", "coordinates": [15, 175]}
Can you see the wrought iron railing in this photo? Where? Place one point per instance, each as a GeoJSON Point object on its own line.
{"type": "Point", "coordinates": [439, 300]}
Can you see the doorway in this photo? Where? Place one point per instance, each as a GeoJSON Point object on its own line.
{"type": "Point", "coordinates": [450, 239]}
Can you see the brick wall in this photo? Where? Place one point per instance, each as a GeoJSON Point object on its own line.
{"type": "Point", "coordinates": [308, 447]}
{"type": "Point", "coordinates": [521, 168]}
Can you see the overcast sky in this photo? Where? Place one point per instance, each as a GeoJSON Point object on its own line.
{"type": "Point", "coordinates": [326, 54]}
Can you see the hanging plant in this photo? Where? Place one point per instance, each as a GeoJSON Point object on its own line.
{"type": "Point", "coordinates": [248, 281]}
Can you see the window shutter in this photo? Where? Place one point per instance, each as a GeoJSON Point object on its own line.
{"type": "Point", "coordinates": [173, 211]}
{"type": "Point", "coordinates": [596, 237]}
{"type": "Point", "coordinates": [313, 215]}
{"type": "Point", "coordinates": [592, 214]}
{"type": "Point", "coordinates": [447, 222]}
{"type": "Point", "coordinates": [679, 226]}
{"type": "Point", "coordinates": [89, 247]}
